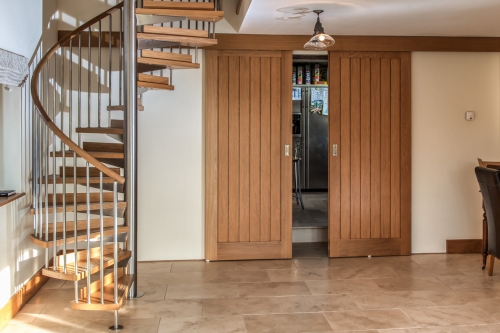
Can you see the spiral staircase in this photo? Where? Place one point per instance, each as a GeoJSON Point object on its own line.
{"type": "Point", "coordinates": [86, 92]}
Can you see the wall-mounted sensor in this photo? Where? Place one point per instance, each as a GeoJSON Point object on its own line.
{"type": "Point", "coordinates": [469, 115]}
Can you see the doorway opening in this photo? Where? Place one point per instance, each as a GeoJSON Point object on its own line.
{"type": "Point", "coordinates": [310, 155]}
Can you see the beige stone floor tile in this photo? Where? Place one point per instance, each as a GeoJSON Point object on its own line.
{"type": "Point", "coordinates": [154, 266]}
{"type": "Point", "coordinates": [269, 289]}
{"type": "Point", "coordinates": [317, 303]}
{"type": "Point", "coordinates": [53, 296]}
{"type": "Point", "coordinates": [202, 290]}
{"type": "Point", "coordinates": [354, 286]}
{"type": "Point", "coordinates": [280, 275]}
{"type": "Point", "coordinates": [287, 323]}
{"type": "Point", "coordinates": [36, 328]}
{"type": "Point", "coordinates": [471, 282]}
{"type": "Point", "coordinates": [160, 279]}
{"type": "Point", "coordinates": [63, 314]}
{"type": "Point", "coordinates": [215, 324]}
{"type": "Point", "coordinates": [431, 270]}
{"type": "Point", "coordinates": [235, 276]}
{"type": "Point", "coordinates": [462, 297]}
{"type": "Point", "coordinates": [368, 320]}
{"type": "Point", "coordinates": [252, 265]}
{"type": "Point", "coordinates": [392, 300]}
{"type": "Point", "coordinates": [411, 284]}
{"type": "Point", "coordinates": [139, 308]}
{"type": "Point", "coordinates": [449, 329]}
{"type": "Point", "coordinates": [388, 261]}
{"type": "Point", "coordinates": [53, 284]}
{"type": "Point", "coordinates": [240, 306]}
{"type": "Point", "coordinates": [448, 316]}
{"type": "Point", "coordinates": [311, 263]}
{"type": "Point", "coordinates": [369, 272]}
{"type": "Point", "coordinates": [201, 266]}
{"type": "Point", "coordinates": [129, 325]}
{"type": "Point", "coordinates": [152, 293]}
{"type": "Point", "coordinates": [28, 313]}
{"type": "Point", "coordinates": [426, 259]}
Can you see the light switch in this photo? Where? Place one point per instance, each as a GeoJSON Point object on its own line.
{"type": "Point", "coordinates": [469, 115]}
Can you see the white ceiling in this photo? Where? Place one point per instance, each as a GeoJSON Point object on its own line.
{"type": "Point", "coordinates": [376, 17]}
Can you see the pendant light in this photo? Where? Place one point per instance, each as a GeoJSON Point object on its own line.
{"type": "Point", "coordinates": [319, 40]}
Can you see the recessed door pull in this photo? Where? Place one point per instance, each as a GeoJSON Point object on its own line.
{"type": "Point", "coordinates": [334, 150]}
{"type": "Point", "coordinates": [287, 150]}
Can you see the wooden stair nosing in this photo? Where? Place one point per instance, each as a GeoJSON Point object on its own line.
{"type": "Point", "coordinates": [82, 171]}
{"type": "Point", "coordinates": [95, 154]}
{"type": "Point", "coordinates": [124, 284]}
{"type": "Point", "coordinates": [118, 123]}
{"type": "Point", "coordinates": [70, 237]}
{"type": "Point", "coordinates": [153, 85]}
{"type": "Point", "coordinates": [179, 5]}
{"type": "Point", "coordinates": [98, 284]}
{"type": "Point", "coordinates": [81, 267]}
{"type": "Point", "coordinates": [173, 64]}
{"type": "Point", "coordinates": [166, 56]}
{"type": "Point", "coordinates": [99, 130]}
{"type": "Point", "coordinates": [81, 207]}
{"type": "Point", "coordinates": [182, 40]}
{"type": "Point", "coordinates": [153, 29]}
{"type": "Point", "coordinates": [193, 15]}
{"type": "Point", "coordinates": [153, 79]}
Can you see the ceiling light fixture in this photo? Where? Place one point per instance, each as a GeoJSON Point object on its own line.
{"type": "Point", "coordinates": [319, 40]}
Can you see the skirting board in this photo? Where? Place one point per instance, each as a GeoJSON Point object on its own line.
{"type": "Point", "coordinates": [20, 298]}
{"type": "Point", "coordinates": [457, 246]}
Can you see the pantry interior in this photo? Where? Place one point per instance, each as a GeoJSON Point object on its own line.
{"type": "Point", "coordinates": [310, 152]}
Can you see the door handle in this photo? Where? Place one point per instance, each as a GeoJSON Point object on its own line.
{"type": "Point", "coordinates": [287, 150]}
{"type": "Point", "coordinates": [334, 150]}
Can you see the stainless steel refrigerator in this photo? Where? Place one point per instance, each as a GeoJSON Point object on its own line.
{"type": "Point", "coordinates": [310, 131]}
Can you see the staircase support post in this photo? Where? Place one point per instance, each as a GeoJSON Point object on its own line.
{"type": "Point", "coordinates": [130, 133]}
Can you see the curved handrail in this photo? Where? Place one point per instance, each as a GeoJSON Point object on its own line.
{"type": "Point", "coordinates": [36, 99]}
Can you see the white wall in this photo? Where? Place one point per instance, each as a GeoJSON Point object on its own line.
{"type": "Point", "coordinates": [445, 147]}
{"type": "Point", "coordinates": [20, 26]}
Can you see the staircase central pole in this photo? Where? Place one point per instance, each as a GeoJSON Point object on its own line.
{"type": "Point", "coordinates": [130, 131]}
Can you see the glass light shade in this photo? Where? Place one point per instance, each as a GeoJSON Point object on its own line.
{"type": "Point", "coordinates": [325, 39]}
{"type": "Point", "coordinates": [315, 44]}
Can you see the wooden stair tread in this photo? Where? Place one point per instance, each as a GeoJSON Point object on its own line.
{"type": "Point", "coordinates": [194, 15]}
{"type": "Point", "coordinates": [95, 154]}
{"type": "Point", "coordinates": [124, 283]}
{"type": "Point", "coordinates": [117, 123]}
{"type": "Point", "coordinates": [179, 5]}
{"type": "Point", "coordinates": [82, 224]}
{"type": "Point", "coordinates": [70, 236]}
{"type": "Point", "coordinates": [79, 180]}
{"type": "Point", "coordinates": [80, 197]}
{"type": "Point", "coordinates": [81, 207]}
{"type": "Point", "coordinates": [153, 78]}
{"type": "Point", "coordinates": [103, 146]}
{"type": "Point", "coordinates": [82, 171]}
{"type": "Point", "coordinates": [153, 29]}
{"type": "Point", "coordinates": [153, 85]}
{"type": "Point", "coordinates": [172, 64]}
{"type": "Point", "coordinates": [81, 266]}
{"type": "Point", "coordinates": [167, 56]}
{"type": "Point", "coordinates": [182, 40]}
{"type": "Point", "coordinates": [99, 130]}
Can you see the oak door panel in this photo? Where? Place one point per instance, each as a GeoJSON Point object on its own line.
{"type": "Point", "coordinates": [370, 178]}
{"type": "Point", "coordinates": [252, 187]}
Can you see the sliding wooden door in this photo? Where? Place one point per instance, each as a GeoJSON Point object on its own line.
{"type": "Point", "coordinates": [248, 177]}
{"type": "Point", "coordinates": [370, 178]}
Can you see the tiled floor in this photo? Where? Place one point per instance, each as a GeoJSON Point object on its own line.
{"type": "Point", "coordinates": [421, 293]}
{"type": "Point", "coordinates": [315, 212]}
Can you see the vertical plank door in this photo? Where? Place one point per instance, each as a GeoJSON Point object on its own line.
{"type": "Point", "coordinates": [370, 176]}
{"type": "Point", "coordinates": [248, 177]}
